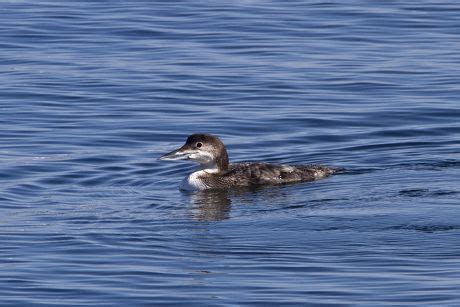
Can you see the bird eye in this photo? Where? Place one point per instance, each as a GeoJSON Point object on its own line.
{"type": "Point", "coordinates": [199, 144]}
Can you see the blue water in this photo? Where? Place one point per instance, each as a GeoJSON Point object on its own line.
{"type": "Point", "coordinates": [92, 93]}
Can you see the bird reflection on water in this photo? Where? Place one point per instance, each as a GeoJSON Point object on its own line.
{"type": "Point", "coordinates": [215, 205]}
{"type": "Point", "coordinates": [211, 205]}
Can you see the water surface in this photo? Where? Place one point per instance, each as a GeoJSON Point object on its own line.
{"type": "Point", "coordinates": [92, 93]}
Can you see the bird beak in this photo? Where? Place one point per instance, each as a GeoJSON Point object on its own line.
{"type": "Point", "coordinates": [178, 154]}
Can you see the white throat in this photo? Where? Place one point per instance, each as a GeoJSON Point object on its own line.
{"type": "Point", "coordinates": [210, 167]}
{"type": "Point", "coordinates": [193, 181]}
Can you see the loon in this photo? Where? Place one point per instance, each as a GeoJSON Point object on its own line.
{"type": "Point", "coordinates": [216, 172]}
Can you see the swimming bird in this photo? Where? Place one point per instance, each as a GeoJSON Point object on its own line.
{"type": "Point", "coordinates": [215, 171]}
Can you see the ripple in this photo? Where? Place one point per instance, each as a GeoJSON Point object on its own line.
{"type": "Point", "coordinates": [426, 192]}
{"type": "Point", "coordinates": [427, 228]}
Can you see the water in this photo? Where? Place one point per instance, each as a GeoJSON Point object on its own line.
{"type": "Point", "coordinates": [92, 93]}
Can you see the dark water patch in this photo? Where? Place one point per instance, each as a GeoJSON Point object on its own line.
{"type": "Point", "coordinates": [56, 181]}
{"type": "Point", "coordinates": [427, 228]}
{"type": "Point", "coordinates": [432, 165]}
{"type": "Point", "coordinates": [400, 145]}
{"type": "Point", "coordinates": [424, 192]}
{"type": "Point", "coordinates": [95, 180]}
{"type": "Point", "coordinates": [358, 171]}
{"type": "Point", "coordinates": [98, 159]}
{"type": "Point", "coordinates": [26, 190]}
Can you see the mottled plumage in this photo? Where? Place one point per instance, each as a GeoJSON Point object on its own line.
{"type": "Point", "coordinates": [216, 172]}
{"type": "Point", "coordinates": [254, 173]}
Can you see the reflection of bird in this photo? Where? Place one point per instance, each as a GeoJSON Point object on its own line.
{"type": "Point", "coordinates": [216, 173]}
{"type": "Point", "coordinates": [213, 205]}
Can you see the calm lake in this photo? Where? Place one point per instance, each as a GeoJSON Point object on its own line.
{"type": "Point", "coordinates": [93, 92]}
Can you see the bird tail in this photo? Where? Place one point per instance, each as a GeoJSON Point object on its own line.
{"type": "Point", "coordinates": [335, 170]}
